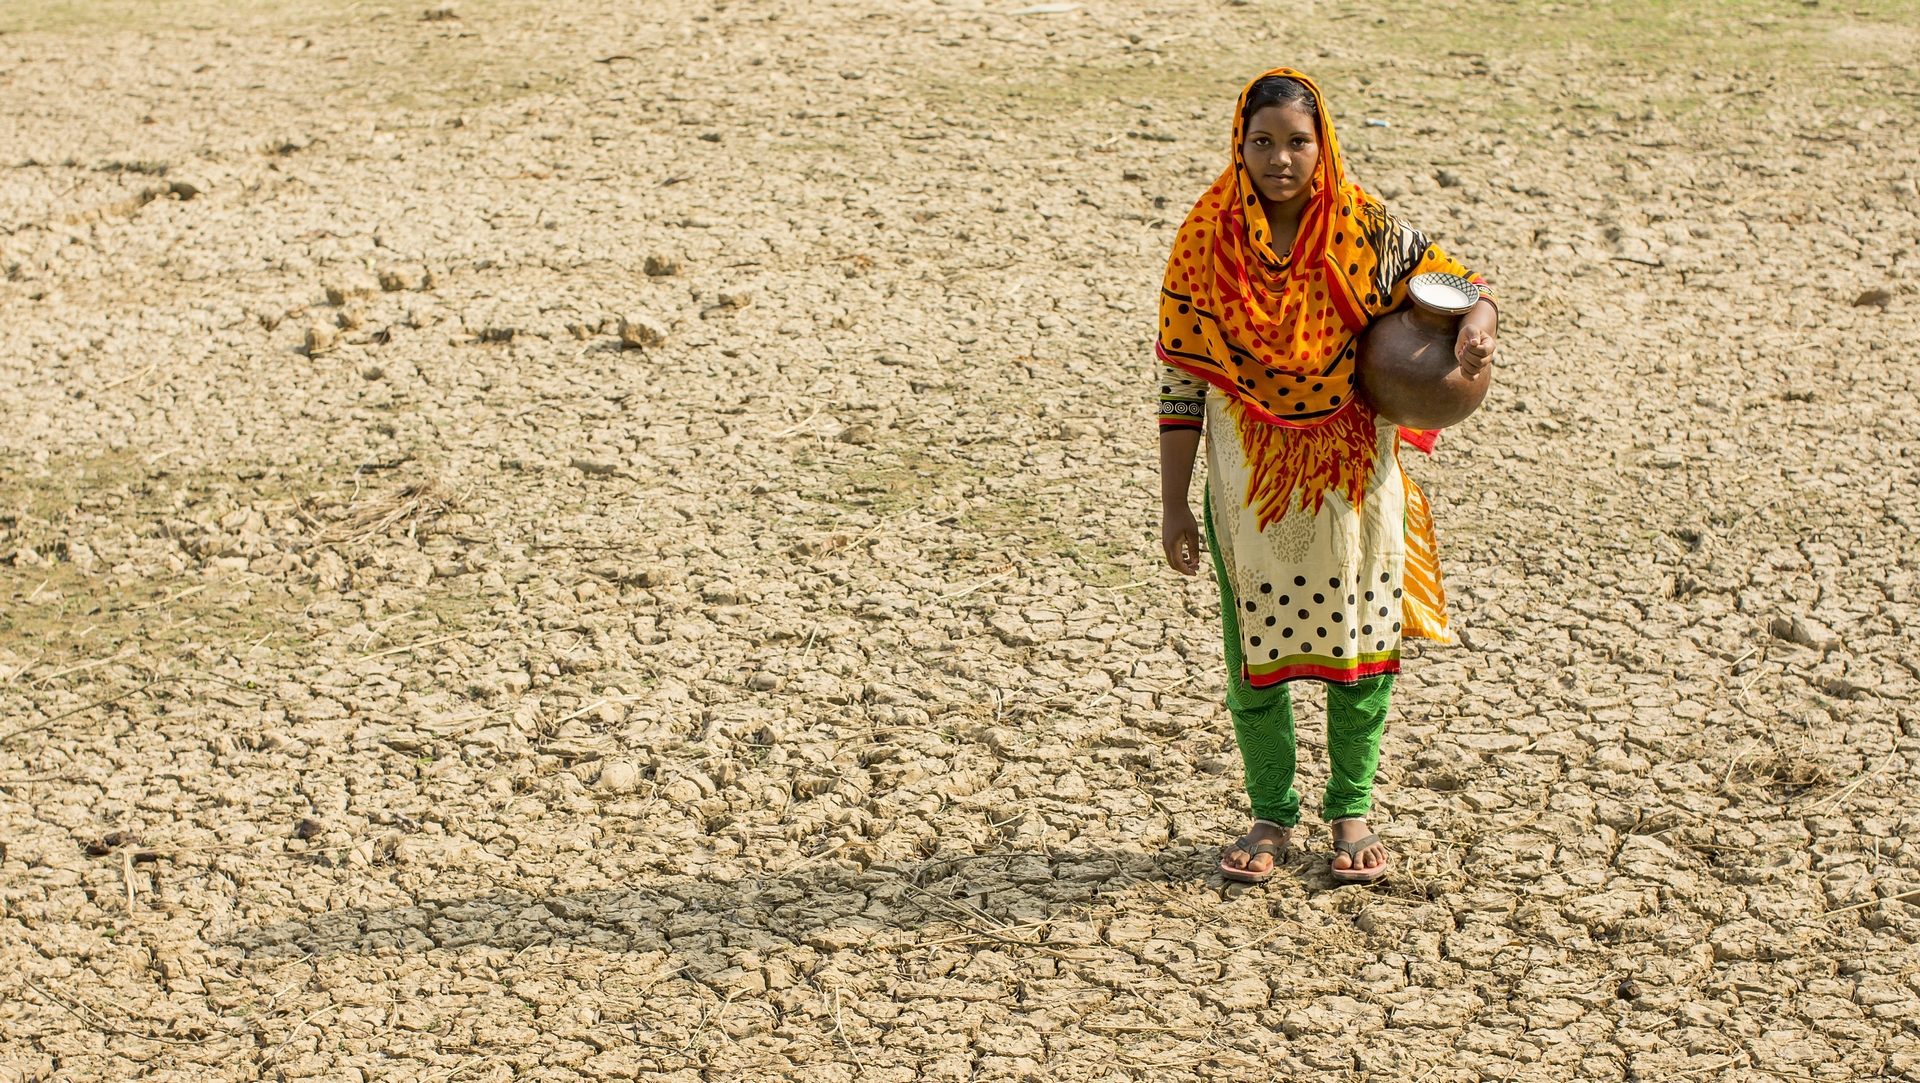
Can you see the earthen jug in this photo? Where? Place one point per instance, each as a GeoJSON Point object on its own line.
{"type": "Point", "coordinates": [1408, 371]}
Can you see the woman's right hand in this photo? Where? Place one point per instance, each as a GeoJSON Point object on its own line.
{"type": "Point", "coordinates": [1180, 538]}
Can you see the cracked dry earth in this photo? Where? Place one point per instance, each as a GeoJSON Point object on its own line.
{"type": "Point", "coordinates": [605, 541]}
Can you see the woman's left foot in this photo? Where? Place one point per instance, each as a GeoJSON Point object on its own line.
{"type": "Point", "coordinates": [1359, 857]}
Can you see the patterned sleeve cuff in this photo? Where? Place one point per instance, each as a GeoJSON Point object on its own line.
{"type": "Point", "coordinates": [1182, 413]}
{"type": "Point", "coordinates": [1183, 399]}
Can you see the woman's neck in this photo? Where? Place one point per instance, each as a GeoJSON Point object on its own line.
{"type": "Point", "coordinates": [1284, 220]}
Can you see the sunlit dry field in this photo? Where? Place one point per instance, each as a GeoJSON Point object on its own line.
{"type": "Point", "coordinates": [589, 540]}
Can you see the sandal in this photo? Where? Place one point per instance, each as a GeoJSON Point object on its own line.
{"type": "Point", "coordinates": [1278, 849]}
{"type": "Point", "coordinates": [1353, 874]}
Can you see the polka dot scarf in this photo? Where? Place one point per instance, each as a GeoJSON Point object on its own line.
{"type": "Point", "coordinates": [1276, 332]}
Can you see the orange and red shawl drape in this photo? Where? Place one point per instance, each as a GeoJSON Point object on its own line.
{"type": "Point", "coordinates": [1278, 332]}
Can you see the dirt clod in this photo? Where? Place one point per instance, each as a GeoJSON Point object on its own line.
{"type": "Point", "coordinates": [618, 776]}
{"type": "Point", "coordinates": [637, 332]}
{"type": "Point", "coordinates": [1805, 631]}
{"type": "Point", "coordinates": [339, 293]}
{"type": "Point", "coordinates": [108, 843]}
{"type": "Point", "coordinates": [321, 339]}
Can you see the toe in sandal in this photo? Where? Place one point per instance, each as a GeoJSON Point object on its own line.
{"type": "Point", "coordinates": [1277, 849]}
{"type": "Point", "coordinates": [1353, 874]}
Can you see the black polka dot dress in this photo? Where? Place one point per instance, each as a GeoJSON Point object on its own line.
{"type": "Point", "coordinates": [1318, 593]}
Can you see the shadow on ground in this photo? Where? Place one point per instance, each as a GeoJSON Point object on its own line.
{"type": "Point", "coordinates": [827, 907]}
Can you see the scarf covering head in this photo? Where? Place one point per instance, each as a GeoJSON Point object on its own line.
{"type": "Point", "coordinates": [1275, 331]}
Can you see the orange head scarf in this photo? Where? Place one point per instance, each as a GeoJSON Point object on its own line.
{"type": "Point", "coordinates": [1277, 333]}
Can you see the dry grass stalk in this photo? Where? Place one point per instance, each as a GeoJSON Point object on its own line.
{"type": "Point", "coordinates": [39, 682]}
{"type": "Point", "coordinates": [1902, 897]}
{"type": "Point", "coordinates": [97, 1020]}
{"type": "Point", "coordinates": [170, 599]}
{"type": "Point", "coordinates": [405, 647]}
{"type": "Point", "coordinates": [840, 1028]}
{"type": "Point", "coordinates": [110, 385]}
{"type": "Point", "coordinates": [1839, 796]}
{"type": "Point", "coordinates": [45, 722]}
{"type": "Point", "coordinates": [126, 878]}
{"type": "Point", "coordinates": [416, 504]}
{"type": "Point", "coordinates": [1794, 770]}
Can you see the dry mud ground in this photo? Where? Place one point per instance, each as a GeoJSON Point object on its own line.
{"type": "Point", "coordinates": [399, 680]}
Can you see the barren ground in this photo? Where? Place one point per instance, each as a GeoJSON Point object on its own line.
{"type": "Point", "coordinates": [400, 680]}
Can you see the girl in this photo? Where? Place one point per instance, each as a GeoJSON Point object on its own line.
{"type": "Point", "coordinates": [1323, 549]}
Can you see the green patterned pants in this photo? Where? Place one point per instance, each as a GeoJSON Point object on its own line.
{"type": "Point", "coordinates": [1263, 726]}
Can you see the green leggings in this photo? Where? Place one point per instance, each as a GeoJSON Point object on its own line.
{"type": "Point", "coordinates": [1263, 725]}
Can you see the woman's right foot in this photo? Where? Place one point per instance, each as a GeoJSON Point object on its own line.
{"type": "Point", "coordinates": [1256, 854]}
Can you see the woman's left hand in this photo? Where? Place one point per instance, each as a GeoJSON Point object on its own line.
{"type": "Point", "coordinates": [1475, 344]}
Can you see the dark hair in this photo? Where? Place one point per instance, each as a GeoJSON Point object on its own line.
{"type": "Point", "coordinates": [1280, 90]}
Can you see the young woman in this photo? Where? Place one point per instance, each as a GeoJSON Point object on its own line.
{"type": "Point", "coordinates": [1322, 547]}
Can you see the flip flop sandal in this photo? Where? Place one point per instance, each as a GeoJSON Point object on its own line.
{"type": "Point", "coordinates": [1354, 874]}
{"type": "Point", "coordinates": [1278, 849]}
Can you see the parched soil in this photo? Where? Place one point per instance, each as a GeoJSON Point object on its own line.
{"type": "Point", "coordinates": [591, 540]}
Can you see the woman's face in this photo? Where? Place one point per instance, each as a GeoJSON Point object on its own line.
{"type": "Point", "coordinates": [1281, 151]}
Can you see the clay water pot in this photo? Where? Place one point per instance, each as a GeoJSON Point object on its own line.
{"type": "Point", "coordinates": [1406, 362]}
